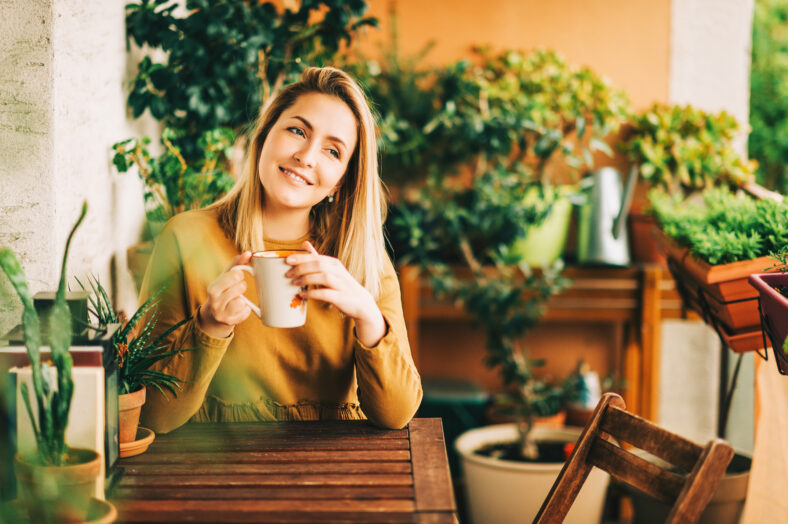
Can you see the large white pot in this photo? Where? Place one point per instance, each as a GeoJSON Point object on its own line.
{"type": "Point", "coordinates": [507, 492]}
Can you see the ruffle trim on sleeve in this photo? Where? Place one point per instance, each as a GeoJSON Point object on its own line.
{"type": "Point", "coordinates": [265, 410]}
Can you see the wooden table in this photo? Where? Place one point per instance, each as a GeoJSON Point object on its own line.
{"type": "Point", "coordinates": [346, 471]}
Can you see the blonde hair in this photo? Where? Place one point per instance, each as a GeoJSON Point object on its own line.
{"type": "Point", "coordinates": [350, 228]}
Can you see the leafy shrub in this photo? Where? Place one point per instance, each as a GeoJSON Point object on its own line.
{"type": "Point", "coordinates": [769, 93]}
{"type": "Point", "coordinates": [684, 149]}
{"type": "Point", "coordinates": [725, 227]}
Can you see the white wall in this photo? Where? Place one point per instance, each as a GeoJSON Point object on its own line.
{"type": "Point", "coordinates": [709, 69]}
{"type": "Point", "coordinates": [63, 68]}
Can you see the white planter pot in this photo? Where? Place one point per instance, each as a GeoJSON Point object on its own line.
{"type": "Point", "coordinates": [507, 492]}
{"type": "Point", "coordinates": [725, 507]}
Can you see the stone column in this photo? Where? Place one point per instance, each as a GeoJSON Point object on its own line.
{"type": "Point", "coordinates": [63, 67]}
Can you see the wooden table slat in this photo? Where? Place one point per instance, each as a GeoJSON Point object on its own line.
{"type": "Point", "coordinates": [288, 429]}
{"type": "Point", "coordinates": [338, 444]}
{"type": "Point", "coordinates": [247, 469]}
{"type": "Point", "coordinates": [268, 480]}
{"type": "Point", "coordinates": [268, 492]}
{"type": "Point", "coordinates": [267, 457]}
{"type": "Point", "coordinates": [234, 506]}
{"type": "Point", "coordinates": [430, 466]}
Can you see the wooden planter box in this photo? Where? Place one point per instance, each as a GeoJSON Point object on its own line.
{"type": "Point", "coordinates": [720, 294]}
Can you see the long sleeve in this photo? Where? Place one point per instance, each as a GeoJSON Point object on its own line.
{"type": "Point", "coordinates": [389, 387]}
{"type": "Point", "coordinates": [177, 301]}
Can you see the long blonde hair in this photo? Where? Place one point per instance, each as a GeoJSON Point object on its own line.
{"type": "Point", "coordinates": [350, 228]}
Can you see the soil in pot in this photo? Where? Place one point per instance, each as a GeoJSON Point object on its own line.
{"type": "Point", "coordinates": [549, 451]}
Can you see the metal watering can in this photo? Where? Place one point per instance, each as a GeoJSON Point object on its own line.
{"type": "Point", "coordinates": [602, 221]}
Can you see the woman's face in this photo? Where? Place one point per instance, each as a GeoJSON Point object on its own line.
{"type": "Point", "coordinates": [307, 152]}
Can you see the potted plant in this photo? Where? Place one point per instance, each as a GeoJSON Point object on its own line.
{"type": "Point", "coordinates": [136, 353]}
{"type": "Point", "coordinates": [58, 482]}
{"type": "Point", "coordinates": [773, 306]}
{"type": "Point", "coordinates": [680, 150]}
{"type": "Point", "coordinates": [714, 246]}
{"type": "Point", "coordinates": [507, 113]}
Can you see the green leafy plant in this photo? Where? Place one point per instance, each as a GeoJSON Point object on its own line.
{"type": "Point", "coordinates": [684, 149]}
{"type": "Point", "coordinates": [531, 111]}
{"type": "Point", "coordinates": [135, 350]}
{"type": "Point", "coordinates": [173, 185]}
{"type": "Point", "coordinates": [518, 124]}
{"type": "Point", "coordinates": [53, 387]}
{"type": "Point", "coordinates": [769, 93]}
{"type": "Point", "coordinates": [223, 60]}
{"type": "Point", "coordinates": [462, 242]}
{"type": "Point", "coordinates": [781, 256]}
{"type": "Point", "coordinates": [725, 227]}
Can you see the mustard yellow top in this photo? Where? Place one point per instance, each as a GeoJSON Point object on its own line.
{"type": "Point", "coordinates": [314, 372]}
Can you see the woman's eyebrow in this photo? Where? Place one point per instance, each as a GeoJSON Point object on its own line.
{"type": "Point", "coordinates": [309, 126]}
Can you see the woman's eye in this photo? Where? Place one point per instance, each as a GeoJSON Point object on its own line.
{"type": "Point", "coordinates": [333, 152]}
{"type": "Point", "coordinates": [296, 130]}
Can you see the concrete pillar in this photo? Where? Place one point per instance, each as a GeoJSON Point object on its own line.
{"type": "Point", "coordinates": [63, 68]}
{"type": "Point", "coordinates": [710, 45]}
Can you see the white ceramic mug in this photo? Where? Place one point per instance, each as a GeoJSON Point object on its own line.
{"type": "Point", "coordinates": [280, 305]}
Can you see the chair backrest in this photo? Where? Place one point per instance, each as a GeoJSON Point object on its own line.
{"type": "Point", "coordinates": [688, 483]}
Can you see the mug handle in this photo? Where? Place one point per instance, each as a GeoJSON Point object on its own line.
{"type": "Point", "coordinates": [254, 307]}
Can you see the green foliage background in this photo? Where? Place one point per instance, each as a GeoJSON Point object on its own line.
{"type": "Point", "coordinates": [768, 142]}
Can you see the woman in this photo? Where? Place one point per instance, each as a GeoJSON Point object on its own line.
{"type": "Point", "coordinates": [310, 182]}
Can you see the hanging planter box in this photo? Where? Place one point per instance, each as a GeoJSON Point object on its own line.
{"type": "Point", "coordinates": [774, 313]}
{"type": "Point", "coordinates": [721, 294]}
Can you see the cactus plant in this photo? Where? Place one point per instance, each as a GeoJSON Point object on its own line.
{"type": "Point", "coordinates": [53, 398]}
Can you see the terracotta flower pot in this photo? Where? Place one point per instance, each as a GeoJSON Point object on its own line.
{"type": "Point", "coordinates": [774, 310]}
{"type": "Point", "coordinates": [643, 239]}
{"type": "Point", "coordinates": [129, 407]}
{"type": "Point", "coordinates": [58, 493]}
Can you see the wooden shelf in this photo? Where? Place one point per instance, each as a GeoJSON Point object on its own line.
{"type": "Point", "coordinates": [630, 298]}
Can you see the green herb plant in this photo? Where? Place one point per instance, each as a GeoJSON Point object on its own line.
{"type": "Point", "coordinates": [53, 388]}
{"type": "Point", "coordinates": [135, 350]}
{"type": "Point", "coordinates": [724, 227]}
{"type": "Point", "coordinates": [682, 149]}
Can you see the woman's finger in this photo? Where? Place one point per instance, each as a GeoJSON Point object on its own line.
{"type": "Point", "coordinates": [320, 278]}
{"type": "Point", "coordinates": [240, 259]}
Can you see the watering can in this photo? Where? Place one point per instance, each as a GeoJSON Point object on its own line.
{"type": "Point", "coordinates": [602, 222]}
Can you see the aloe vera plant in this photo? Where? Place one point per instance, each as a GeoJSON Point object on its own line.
{"type": "Point", "coordinates": [53, 395]}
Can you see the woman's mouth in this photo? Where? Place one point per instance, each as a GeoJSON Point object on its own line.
{"type": "Point", "coordinates": [295, 177]}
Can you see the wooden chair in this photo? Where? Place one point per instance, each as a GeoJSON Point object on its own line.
{"type": "Point", "coordinates": [688, 490]}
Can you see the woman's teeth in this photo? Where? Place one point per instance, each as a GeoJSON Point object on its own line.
{"type": "Point", "coordinates": [295, 177]}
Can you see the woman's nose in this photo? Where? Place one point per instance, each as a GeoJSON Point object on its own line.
{"type": "Point", "coordinates": [306, 155]}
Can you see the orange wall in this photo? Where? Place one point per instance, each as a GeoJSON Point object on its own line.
{"type": "Point", "coordinates": [625, 40]}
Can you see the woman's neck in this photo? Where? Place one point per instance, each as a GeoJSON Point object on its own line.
{"type": "Point", "coordinates": [285, 224]}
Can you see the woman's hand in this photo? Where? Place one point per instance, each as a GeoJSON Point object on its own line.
{"type": "Point", "coordinates": [224, 308]}
{"type": "Point", "coordinates": [331, 282]}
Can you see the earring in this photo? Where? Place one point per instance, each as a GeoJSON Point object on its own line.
{"type": "Point", "coordinates": [330, 198]}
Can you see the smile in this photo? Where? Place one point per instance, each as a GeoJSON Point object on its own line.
{"type": "Point", "coordinates": [295, 177]}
